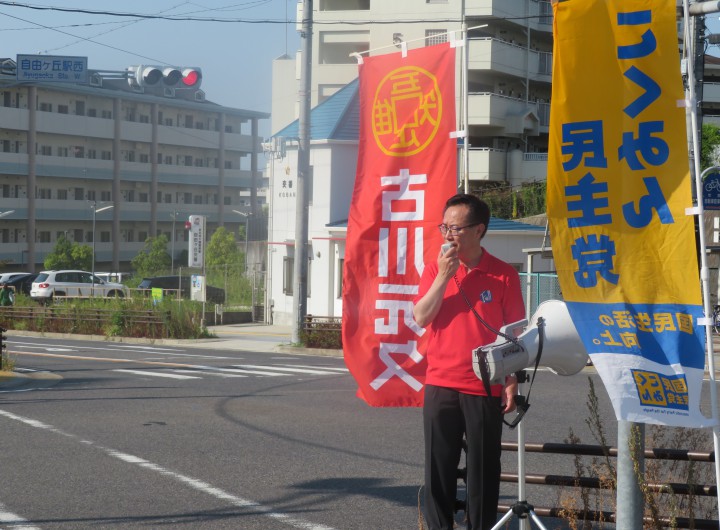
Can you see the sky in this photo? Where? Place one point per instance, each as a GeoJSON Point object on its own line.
{"type": "Point", "coordinates": [235, 57]}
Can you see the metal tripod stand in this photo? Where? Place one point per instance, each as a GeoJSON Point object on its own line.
{"type": "Point", "coordinates": [522, 508]}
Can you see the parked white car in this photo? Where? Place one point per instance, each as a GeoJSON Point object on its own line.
{"type": "Point", "coordinates": [79, 284]}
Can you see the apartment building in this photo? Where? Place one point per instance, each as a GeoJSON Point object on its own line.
{"type": "Point", "coordinates": [157, 155]}
{"type": "Point", "coordinates": [509, 70]}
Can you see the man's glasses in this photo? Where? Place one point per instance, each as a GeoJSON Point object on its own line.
{"type": "Point", "coordinates": [454, 230]}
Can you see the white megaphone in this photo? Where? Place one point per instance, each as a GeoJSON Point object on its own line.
{"type": "Point", "coordinates": [551, 329]}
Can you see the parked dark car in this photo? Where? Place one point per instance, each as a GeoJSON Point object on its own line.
{"type": "Point", "coordinates": [173, 284]}
{"type": "Point", "coordinates": [22, 282]}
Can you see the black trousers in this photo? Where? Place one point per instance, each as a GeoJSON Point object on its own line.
{"type": "Point", "coordinates": [447, 415]}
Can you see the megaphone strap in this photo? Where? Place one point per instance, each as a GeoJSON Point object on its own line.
{"type": "Point", "coordinates": [525, 405]}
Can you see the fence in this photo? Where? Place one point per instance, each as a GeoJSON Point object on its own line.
{"type": "Point", "coordinates": [699, 490]}
{"type": "Point", "coordinates": [543, 286]}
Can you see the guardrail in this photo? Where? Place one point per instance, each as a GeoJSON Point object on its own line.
{"type": "Point", "coordinates": [705, 490]}
{"type": "Point", "coordinates": [62, 319]}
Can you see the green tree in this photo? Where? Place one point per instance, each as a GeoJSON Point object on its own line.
{"type": "Point", "coordinates": [710, 143]}
{"type": "Point", "coordinates": [69, 255]}
{"type": "Point", "coordinates": [222, 249]}
{"type": "Point", "coordinates": [154, 258]}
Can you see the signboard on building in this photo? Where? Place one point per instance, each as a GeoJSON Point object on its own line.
{"type": "Point", "coordinates": [197, 241]}
{"type": "Point", "coordinates": [54, 68]}
{"type": "Point", "coordinates": [711, 191]}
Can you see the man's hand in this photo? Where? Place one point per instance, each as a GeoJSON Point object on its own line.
{"type": "Point", "coordinates": [509, 392]}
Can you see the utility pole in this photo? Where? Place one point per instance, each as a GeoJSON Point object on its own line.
{"type": "Point", "coordinates": [301, 199]}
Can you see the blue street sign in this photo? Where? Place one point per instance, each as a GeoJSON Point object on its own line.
{"type": "Point", "coordinates": [711, 191]}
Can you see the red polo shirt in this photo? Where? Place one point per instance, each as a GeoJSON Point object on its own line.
{"type": "Point", "coordinates": [493, 287]}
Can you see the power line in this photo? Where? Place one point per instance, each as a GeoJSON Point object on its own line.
{"type": "Point", "coordinates": [178, 18]}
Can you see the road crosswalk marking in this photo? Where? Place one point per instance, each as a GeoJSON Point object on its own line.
{"type": "Point", "coordinates": [239, 370]}
{"type": "Point", "coordinates": [156, 374]}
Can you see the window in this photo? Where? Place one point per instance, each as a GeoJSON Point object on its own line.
{"type": "Point", "coordinates": [45, 150]}
{"type": "Point", "coordinates": [105, 237]}
{"type": "Point", "coordinates": [189, 121]}
{"type": "Point", "coordinates": [339, 276]}
{"type": "Point", "coordinates": [106, 155]}
{"type": "Point", "coordinates": [80, 108]}
{"type": "Point", "coordinates": [144, 118]}
{"type": "Point", "coordinates": [187, 198]}
{"type": "Point", "coordinates": [288, 272]}
{"type": "Point", "coordinates": [344, 5]}
{"type": "Point", "coordinates": [159, 197]}
{"type": "Point", "coordinates": [107, 114]}
{"type": "Point", "coordinates": [168, 198]}
{"type": "Point", "coordinates": [168, 160]}
{"type": "Point", "coordinates": [197, 199]}
{"type": "Point", "coordinates": [169, 122]}
{"type": "Point", "coordinates": [145, 158]}
{"type": "Point", "coordinates": [92, 113]}
{"type": "Point", "coordinates": [142, 197]}
{"type": "Point", "coordinates": [79, 151]}
{"type": "Point", "coordinates": [62, 195]}
{"type": "Point", "coordinates": [44, 193]}
{"type": "Point", "coordinates": [105, 196]}
{"type": "Point", "coordinates": [46, 107]}
{"type": "Point", "coordinates": [62, 151]}
{"type": "Point", "coordinates": [336, 46]}
{"type": "Point", "coordinates": [63, 109]}
{"type": "Point", "coordinates": [228, 164]}
{"type": "Point", "coordinates": [79, 194]}
{"type": "Point", "coordinates": [131, 236]}
{"type": "Point", "coordinates": [91, 153]}
{"type": "Point", "coordinates": [188, 160]}
{"type": "Point", "coordinates": [142, 236]}
{"type": "Point", "coordinates": [43, 237]}
{"type": "Point", "coordinates": [91, 195]}
{"type": "Point", "coordinates": [226, 201]}
{"type": "Point", "coordinates": [435, 36]}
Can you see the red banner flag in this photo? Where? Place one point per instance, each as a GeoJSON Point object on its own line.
{"type": "Point", "coordinates": [407, 168]}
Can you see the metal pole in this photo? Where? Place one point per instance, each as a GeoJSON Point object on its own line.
{"type": "Point", "coordinates": [630, 502]}
{"type": "Point", "coordinates": [172, 246]}
{"type": "Point", "coordinates": [247, 236]}
{"type": "Point", "coordinates": [465, 97]}
{"type": "Point", "coordinates": [301, 200]}
{"type": "Point", "coordinates": [704, 271]}
{"type": "Point", "coordinates": [92, 291]}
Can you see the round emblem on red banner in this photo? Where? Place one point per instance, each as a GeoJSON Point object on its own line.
{"type": "Point", "coordinates": [406, 111]}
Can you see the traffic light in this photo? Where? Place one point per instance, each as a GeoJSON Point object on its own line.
{"type": "Point", "coordinates": [164, 76]}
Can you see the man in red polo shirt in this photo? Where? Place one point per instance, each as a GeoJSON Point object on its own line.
{"type": "Point", "coordinates": [456, 401]}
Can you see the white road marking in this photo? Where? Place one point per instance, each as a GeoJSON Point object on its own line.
{"type": "Point", "coordinates": [343, 370]}
{"type": "Point", "coordinates": [194, 483]}
{"type": "Point", "coordinates": [120, 348]}
{"type": "Point", "coordinates": [14, 521]}
{"type": "Point", "coordinates": [156, 374]}
{"type": "Point", "coordinates": [285, 369]}
{"type": "Point", "coordinates": [217, 374]}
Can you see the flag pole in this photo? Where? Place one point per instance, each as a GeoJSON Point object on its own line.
{"type": "Point", "coordinates": [690, 44]}
{"type": "Point", "coordinates": [464, 95]}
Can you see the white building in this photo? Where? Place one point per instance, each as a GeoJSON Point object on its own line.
{"type": "Point", "coordinates": [510, 67]}
{"type": "Point", "coordinates": [156, 154]}
{"type": "Point", "coordinates": [333, 158]}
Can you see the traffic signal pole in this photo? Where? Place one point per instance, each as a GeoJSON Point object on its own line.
{"type": "Point", "coordinates": [301, 200]}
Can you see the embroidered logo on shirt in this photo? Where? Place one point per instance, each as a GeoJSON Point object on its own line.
{"type": "Point", "coordinates": [486, 296]}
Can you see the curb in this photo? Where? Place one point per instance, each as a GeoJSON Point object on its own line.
{"type": "Point", "coordinates": [13, 380]}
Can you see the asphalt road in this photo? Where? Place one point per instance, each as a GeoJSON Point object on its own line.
{"type": "Point", "coordinates": [142, 436]}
